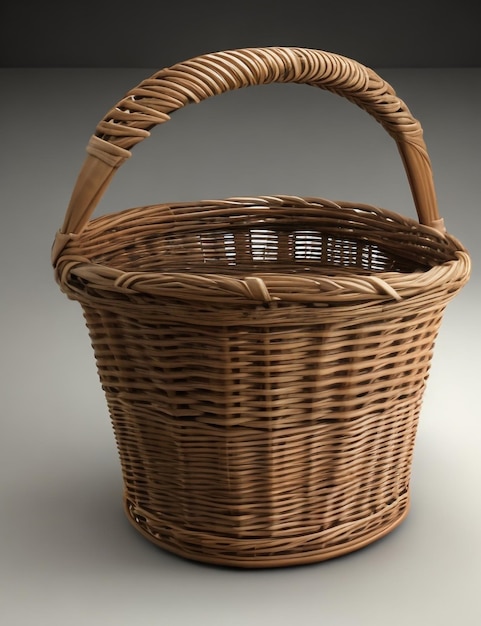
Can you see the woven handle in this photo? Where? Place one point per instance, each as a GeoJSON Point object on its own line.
{"type": "Point", "coordinates": [154, 99]}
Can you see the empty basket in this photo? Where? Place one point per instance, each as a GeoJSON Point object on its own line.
{"type": "Point", "coordinates": [263, 358]}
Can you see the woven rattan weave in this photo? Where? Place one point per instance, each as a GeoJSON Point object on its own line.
{"type": "Point", "coordinates": [263, 358]}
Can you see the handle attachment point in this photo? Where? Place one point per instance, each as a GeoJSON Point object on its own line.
{"type": "Point", "coordinates": [107, 152]}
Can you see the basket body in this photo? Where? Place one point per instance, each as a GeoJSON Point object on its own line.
{"type": "Point", "coordinates": [263, 359]}
{"type": "Point", "coordinates": [268, 433]}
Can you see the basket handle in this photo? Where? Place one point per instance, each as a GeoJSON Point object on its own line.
{"type": "Point", "coordinates": [194, 80]}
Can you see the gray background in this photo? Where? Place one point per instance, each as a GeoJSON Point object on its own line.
{"type": "Point", "coordinates": [68, 555]}
{"type": "Point", "coordinates": [152, 33]}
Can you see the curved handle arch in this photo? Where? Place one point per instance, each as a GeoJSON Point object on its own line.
{"type": "Point", "coordinates": [153, 101]}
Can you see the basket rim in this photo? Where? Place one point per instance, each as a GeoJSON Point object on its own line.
{"type": "Point", "coordinates": [328, 285]}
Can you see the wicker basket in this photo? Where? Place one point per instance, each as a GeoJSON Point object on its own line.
{"type": "Point", "coordinates": [263, 359]}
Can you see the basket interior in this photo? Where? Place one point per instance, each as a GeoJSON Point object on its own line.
{"type": "Point", "coordinates": [288, 235]}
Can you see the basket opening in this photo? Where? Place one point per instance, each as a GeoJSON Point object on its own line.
{"type": "Point", "coordinates": [236, 238]}
{"type": "Point", "coordinates": [247, 250]}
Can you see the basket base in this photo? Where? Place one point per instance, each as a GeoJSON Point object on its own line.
{"type": "Point", "coordinates": [232, 552]}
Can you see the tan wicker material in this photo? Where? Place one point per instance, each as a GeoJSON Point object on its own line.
{"type": "Point", "coordinates": [263, 359]}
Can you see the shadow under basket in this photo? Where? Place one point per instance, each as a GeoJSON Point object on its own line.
{"type": "Point", "coordinates": [263, 359]}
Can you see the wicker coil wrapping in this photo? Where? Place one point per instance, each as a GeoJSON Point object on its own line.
{"type": "Point", "coordinates": [263, 358]}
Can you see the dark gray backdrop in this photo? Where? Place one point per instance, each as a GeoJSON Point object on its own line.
{"type": "Point", "coordinates": [412, 33]}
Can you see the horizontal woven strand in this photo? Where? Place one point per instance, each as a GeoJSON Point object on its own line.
{"type": "Point", "coordinates": [266, 553]}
